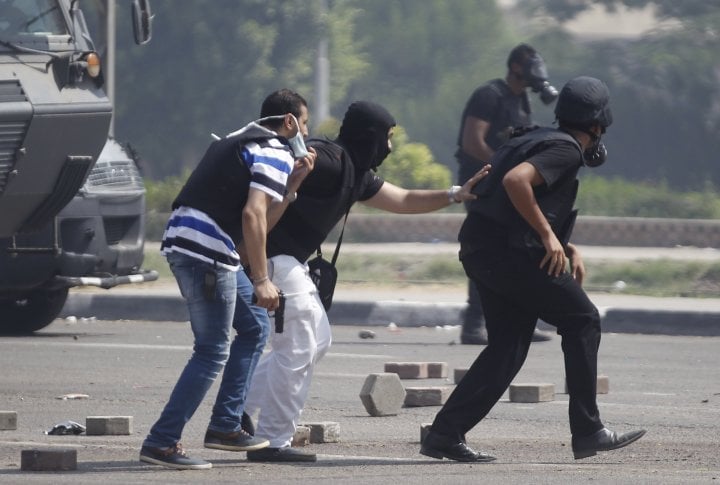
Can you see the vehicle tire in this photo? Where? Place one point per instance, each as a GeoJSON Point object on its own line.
{"type": "Point", "coordinates": [33, 311]}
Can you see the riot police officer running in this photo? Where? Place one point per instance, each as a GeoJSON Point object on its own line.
{"type": "Point", "coordinates": [514, 246]}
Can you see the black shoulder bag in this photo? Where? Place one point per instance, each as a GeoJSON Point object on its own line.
{"type": "Point", "coordinates": [324, 273]}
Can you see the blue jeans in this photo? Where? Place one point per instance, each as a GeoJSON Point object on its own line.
{"type": "Point", "coordinates": [252, 325]}
{"type": "Point", "coordinates": [211, 322]}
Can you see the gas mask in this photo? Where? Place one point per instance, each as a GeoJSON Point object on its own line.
{"type": "Point", "coordinates": [535, 73]}
{"type": "Point", "coordinates": [596, 154]}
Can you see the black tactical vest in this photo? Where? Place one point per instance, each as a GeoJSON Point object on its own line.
{"type": "Point", "coordinates": [219, 186]}
{"type": "Point", "coordinates": [510, 111]}
{"type": "Point", "coordinates": [494, 205]}
{"type": "Point", "coordinates": [507, 114]}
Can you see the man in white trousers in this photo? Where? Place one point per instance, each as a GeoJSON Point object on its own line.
{"type": "Point", "coordinates": [344, 173]}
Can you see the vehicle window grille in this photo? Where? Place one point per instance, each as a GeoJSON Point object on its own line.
{"type": "Point", "coordinates": [10, 90]}
{"type": "Point", "coordinates": [11, 137]}
{"type": "Point", "coordinates": [121, 174]}
{"type": "Point", "coordinates": [12, 132]}
{"type": "Point", "coordinates": [116, 228]}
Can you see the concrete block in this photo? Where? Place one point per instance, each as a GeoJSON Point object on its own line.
{"type": "Point", "coordinates": [427, 396]}
{"type": "Point", "coordinates": [424, 430]}
{"type": "Point", "coordinates": [38, 460]}
{"type": "Point", "coordinates": [603, 385]}
{"type": "Point", "coordinates": [301, 436]}
{"type": "Point", "coordinates": [108, 425]}
{"type": "Point", "coordinates": [437, 370]}
{"type": "Point", "coordinates": [458, 374]}
{"type": "Point", "coordinates": [532, 392]}
{"type": "Point", "coordinates": [8, 420]}
{"type": "Point", "coordinates": [382, 394]}
{"type": "Point", "coordinates": [408, 370]}
{"type": "Point", "coordinates": [323, 432]}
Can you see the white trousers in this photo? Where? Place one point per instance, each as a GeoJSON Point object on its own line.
{"type": "Point", "coordinates": [281, 382]}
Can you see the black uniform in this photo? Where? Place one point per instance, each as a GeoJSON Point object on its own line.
{"type": "Point", "coordinates": [501, 254]}
{"type": "Point", "coordinates": [343, 174]}
{"type": "Point", "coordinates": [324, 198]}
{"type": "Point", "coordinates": [495, 103]}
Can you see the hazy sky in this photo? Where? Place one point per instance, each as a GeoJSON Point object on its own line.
{"type": "Point", "coordinates": [597, 22]}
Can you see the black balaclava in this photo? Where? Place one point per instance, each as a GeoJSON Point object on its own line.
{"type": "Point", "coordinates": [364, 134]}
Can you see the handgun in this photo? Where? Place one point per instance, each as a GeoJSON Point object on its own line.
{"type": "Point", "coordinates": [278, 314]}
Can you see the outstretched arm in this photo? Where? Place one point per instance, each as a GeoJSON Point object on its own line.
{"type": "Point", "coordinates": [395, 199]}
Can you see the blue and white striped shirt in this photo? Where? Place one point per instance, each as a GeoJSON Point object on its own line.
{"type": "Point", "coordinates": [270, 164]}
{"type": "Point", "coordinates": [194, 233]}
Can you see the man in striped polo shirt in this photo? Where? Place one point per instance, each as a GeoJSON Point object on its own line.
{"type": "Point", "coordinates": [228, 198]}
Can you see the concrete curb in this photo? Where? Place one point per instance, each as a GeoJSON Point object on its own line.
{"type": "Point", "coordinates": [124, 306]}
{"type": "Point", "coordinates": [664, 322]}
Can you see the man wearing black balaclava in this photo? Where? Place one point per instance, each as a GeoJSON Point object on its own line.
{"type": "Point", "coordinates": [343, 174]}
{"type": "Point", "coordinates": [364, 134]}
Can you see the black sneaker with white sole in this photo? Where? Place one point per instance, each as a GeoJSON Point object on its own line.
{"type": "Point", "coordinates": [172, 457]}
{"type": "Point", "coordinates": [235, 441]}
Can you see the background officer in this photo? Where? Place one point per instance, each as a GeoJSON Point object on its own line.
{"type": "Point", "coordinates": [489, 116]}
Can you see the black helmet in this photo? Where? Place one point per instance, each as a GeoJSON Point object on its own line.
{"type": "Point", "coordinates": [584, 101]}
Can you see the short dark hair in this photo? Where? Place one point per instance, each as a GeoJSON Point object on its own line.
{"type": "Point", "coordinates": [281, 102]}
{"type": "Point", "coordinates": [520, 53]}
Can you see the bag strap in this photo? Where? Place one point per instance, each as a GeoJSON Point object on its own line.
{"type": "Point", "coordinates": [337, 248]}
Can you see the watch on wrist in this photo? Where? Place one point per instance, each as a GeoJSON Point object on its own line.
{"type": "Point", "coordinates": [452, 192]}
{"type": "Point", "coordinates": [291, 196]}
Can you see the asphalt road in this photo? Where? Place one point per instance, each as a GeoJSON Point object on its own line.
{"type": "Point", "coordinates": [666, 384]}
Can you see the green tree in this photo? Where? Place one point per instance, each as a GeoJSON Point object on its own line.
{"type": "Point", "coordinates": [426, 59]}
{"type": "Point", "coordinates": [613, 196]}
{"type": "Point", "coordinates": [665, 93]}
{"type": "Point", "coordinates": [348, 58]}
{"type": "Point", "coordinates": [160, 195]}
{"type": "Point", "coordinates": [212, 62]}
{"type": "Point", "coordinates": [411, 165]}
